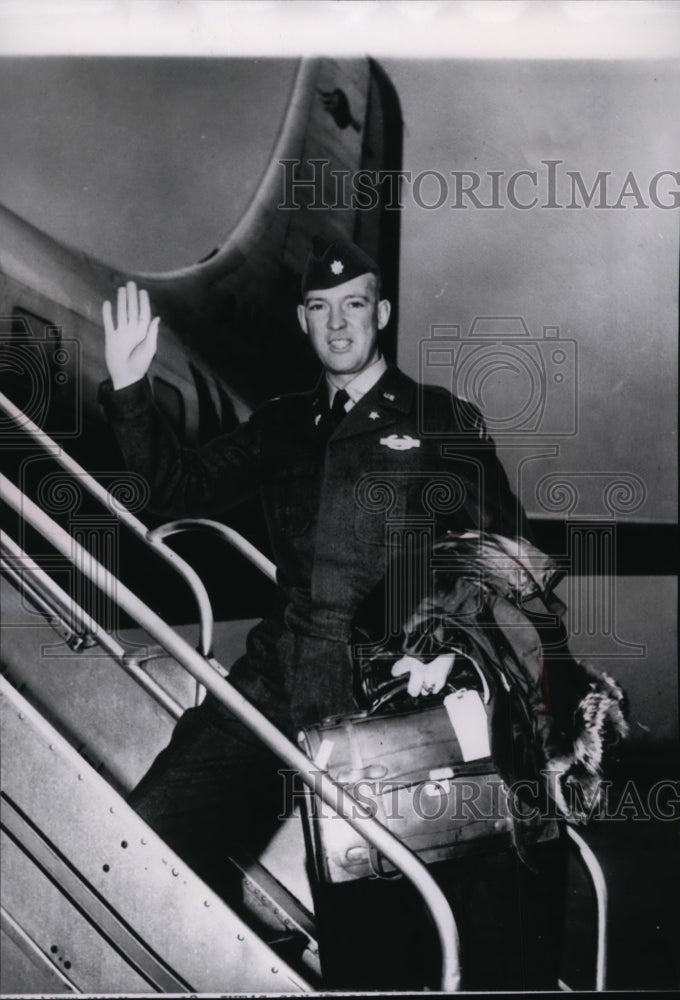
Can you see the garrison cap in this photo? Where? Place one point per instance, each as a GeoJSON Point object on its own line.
{"type": "Point", "coordinates": [332, 263]}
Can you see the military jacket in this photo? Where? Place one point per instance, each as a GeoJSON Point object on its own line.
{"type": "Point", "coordinates": [407, 461]}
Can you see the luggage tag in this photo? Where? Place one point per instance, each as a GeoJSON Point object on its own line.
{"type": "Point", "coordinates": [468, 717]}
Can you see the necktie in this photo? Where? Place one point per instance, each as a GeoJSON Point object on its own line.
{"type": "Point", "coordinates": [337, 411]}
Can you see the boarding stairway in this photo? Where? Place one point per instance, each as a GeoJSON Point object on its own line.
{"type": "Point", "coordinates": [65, 771]}
{"type": "Point", "coordinates": [93, 900]}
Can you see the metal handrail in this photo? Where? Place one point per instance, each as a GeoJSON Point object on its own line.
{"type": "Point", "coordinates": [240, 543]}
{"type": "Point", "coordinates": [18, 563]}
{"type": "Point", "coordinates": [158, 536]}
{"type": "Point", "coordinates": [334, 795]}
{"type": "Point", "coordinates": [600, 887]}
{"type": "Point", "coordinates": [191, 577]}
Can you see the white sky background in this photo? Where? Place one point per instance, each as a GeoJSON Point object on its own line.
{"type": "Point", "coordinates": [477, 29]}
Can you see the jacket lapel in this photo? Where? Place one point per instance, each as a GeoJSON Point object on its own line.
{"type": "Point", "coordinates": [393, 396]}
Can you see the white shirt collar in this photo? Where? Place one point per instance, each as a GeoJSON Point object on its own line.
{"type": "Point", "coordinates": [360, 384]}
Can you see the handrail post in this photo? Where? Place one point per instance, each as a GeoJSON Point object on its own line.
{"type": "Point", "coordinates": [600, 887]}
{"type": "Point", "coordinates": [237, 541]}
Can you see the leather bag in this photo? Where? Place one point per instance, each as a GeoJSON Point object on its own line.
{"type": "Point", "coordinates": [426, 775]}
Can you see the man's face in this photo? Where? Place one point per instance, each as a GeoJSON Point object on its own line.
{"type": "Point", "coordinates": [343, 323]}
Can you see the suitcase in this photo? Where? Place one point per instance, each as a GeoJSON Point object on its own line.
{"type": "Point", "coordinates": [426, 775]}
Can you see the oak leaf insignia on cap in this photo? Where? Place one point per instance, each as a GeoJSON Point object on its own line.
{"type": "Point", "coordinates": [333, 263]}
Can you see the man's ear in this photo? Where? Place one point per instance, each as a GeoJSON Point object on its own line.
{"type": "Point", "coordinates": [302, 318]}
{"type": "Point", "coordinates": [384, 310]}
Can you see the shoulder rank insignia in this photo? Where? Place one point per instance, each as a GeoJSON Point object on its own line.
{"type": "Point", "coordinates": [400, 443]}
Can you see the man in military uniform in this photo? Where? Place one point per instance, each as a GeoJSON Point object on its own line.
{"type": "Point", "coordinates": [341, 472]}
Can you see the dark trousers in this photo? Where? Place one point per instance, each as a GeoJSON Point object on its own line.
{"type": "Point", "coordinates": [216, 785]}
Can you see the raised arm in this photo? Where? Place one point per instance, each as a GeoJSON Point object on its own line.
{"type": "Point", "coordinates": [182, 481]}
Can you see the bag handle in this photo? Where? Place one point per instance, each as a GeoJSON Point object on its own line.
{"type": "Point", "coordinates": [449, 687]}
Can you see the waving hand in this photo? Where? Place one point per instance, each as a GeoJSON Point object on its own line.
{"type": "Point", "coordinates": [130, 340]}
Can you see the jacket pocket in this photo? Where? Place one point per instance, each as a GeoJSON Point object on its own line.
{"type": "Point", "coordinates": [381, 503]}
{"type": "Point", "coordinates": [391, 503]}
